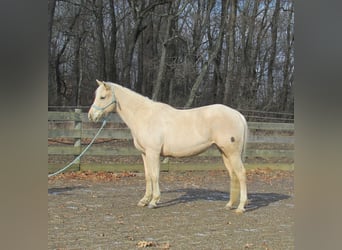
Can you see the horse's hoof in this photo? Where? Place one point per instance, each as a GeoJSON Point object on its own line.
{"type": "Point", "coordinates": [239, 210]}
{"type": "Point", "coordinates": [152, 206]}
{"type": "Point", "coordinates": [228, 207]}
{"type": "Point", "coordinates": [142, 204]}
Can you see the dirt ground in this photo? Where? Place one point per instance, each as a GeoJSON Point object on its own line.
{"type": "Point", "coordinates": [99, 211]}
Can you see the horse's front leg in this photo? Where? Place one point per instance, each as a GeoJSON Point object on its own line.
{"type": "Point", "coordinates": [148, 192]}
{"type": "Point", "coordinates": [153, 167]}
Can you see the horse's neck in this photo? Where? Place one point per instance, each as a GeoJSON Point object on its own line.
{"type": "Point", "coordinates": [129, 105]}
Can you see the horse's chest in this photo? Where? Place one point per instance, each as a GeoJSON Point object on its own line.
{"type": "Point", "coordinates": [137, 144]}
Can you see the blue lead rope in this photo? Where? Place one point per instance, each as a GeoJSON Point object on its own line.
{"type": "Point", "coordinates": [83, 152]}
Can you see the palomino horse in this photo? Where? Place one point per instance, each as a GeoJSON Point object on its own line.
{"type": "Point", "coordinates": [161, 130]}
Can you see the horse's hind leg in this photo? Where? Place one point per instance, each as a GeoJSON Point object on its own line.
{"type": "Point", "coordinates": [148, 192]}
{"type": "Point", "coordinates": [237, 172]}
{"type": "Point", "coordinates": [234, 194]}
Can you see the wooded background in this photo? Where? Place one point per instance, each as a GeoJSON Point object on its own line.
{"type": "Point", "coordinates": [185, 53]}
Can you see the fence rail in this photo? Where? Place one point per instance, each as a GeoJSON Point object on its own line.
{"type": "Point", "coordinates": [266, 141]}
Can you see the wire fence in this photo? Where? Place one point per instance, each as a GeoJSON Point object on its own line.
{"type": "Point", "coordinates": [251, 115]}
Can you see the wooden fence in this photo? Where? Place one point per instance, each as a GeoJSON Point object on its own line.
{"type": "Point", "coordinates": [69, 133]}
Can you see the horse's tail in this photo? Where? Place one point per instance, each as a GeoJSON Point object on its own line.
{"type": "Point", "coordinates": [245, 137]}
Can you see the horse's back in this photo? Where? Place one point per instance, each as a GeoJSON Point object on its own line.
{"type": "Point", "coordinates": [206, 117]}
{"type": "Point", "coordinates": [221, 115]}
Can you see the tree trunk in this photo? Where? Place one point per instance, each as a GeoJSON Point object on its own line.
{"type": "Point", "coordinates": [248, 88]}
{"type": "Point", "coordinates": [161, 68]}
{"type": "Point", "coordinates": [216, 86]}
{"type": "Point", "coordinates": [272, 56]}
{"type": "Point", "coordinates": [140, 11]}
{"type": "Point", "coordinates": [147, 52]}
{"type": "Point", "coordinates": [52, 89]}
{"type": "Point", "coordinates": [112, 46]}
{"type": "Point", "coordinates": [212, 56]}
{"type": "Point", "coordinates": [229, 84]}
{"type": "Point", "coordinates": [77, 70]}
{"type": "Point", "coordinates": [287, 65]}
{"type": "Point", "coordinates": [257, 56]}
{"type": "Point", "coordinates": [100, 46]}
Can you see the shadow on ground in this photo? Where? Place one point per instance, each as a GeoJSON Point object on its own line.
{"type": "Point", "coordinates": [63, 190]}
{"type": "Point", "coordinates": [255, 200]}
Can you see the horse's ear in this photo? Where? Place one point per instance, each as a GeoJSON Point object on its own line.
{"type": "Point", "coordinates": [107, 86]}
{"type": "Point", "coordinates": [99, 82]}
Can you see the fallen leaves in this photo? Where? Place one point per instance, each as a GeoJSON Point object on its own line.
{"type": "Point", "coordinates": [92, 176]}
{"type": "Point", "coordinates": [144, 244]}
{"type": "Point", "coordinates": [248, 245]}
{"type": "Point", "coordinates": [267, 174]}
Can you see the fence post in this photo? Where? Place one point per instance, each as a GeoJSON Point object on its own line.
{"type": "Point", "coordinates": [77, 140]}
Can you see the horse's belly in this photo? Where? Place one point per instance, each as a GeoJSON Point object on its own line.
{"type": "Point", "coordinates": [186, 149]}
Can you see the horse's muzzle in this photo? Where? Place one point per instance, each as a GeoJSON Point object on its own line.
{"type": "Point", "coordinates": [93, 116]}
{"type": "Point", "coordinates": [96, 115]}
{"type": "Point", "coordinates": [90, 117]}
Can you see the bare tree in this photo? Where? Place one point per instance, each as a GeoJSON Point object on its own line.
{"type": "Point", "coordinates": [212, 56]}
{"type": "Point", "coordinates": [230, 55]}
{"type": "Point", "coordinates": [98, 12]}
{"type": "Point", "coordinates": [172, 13]}
{"type": "Point", "coordinates": [51, 13]}
{"type": "Point", "coordinates": [112, 45]}
{"type": "Point", "coordinates": [61, 80]}
{"type": "Point", "coordinates": [139, 9]}
{"type": "Point", "coordinates": [273, 54]}
{"type": "Point", "coordinates": [285, 92]}
{"type": "Point", "coordinates": [183, 52]}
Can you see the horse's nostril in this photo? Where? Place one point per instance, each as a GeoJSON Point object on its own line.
{"type": "Point", "coordinates": [90, 117]}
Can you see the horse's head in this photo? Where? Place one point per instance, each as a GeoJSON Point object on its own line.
{"type": "Point", "coordinates": [104, 102]}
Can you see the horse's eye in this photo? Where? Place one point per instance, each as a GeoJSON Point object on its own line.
{"type": "Point", "coordinates": [102, 97]}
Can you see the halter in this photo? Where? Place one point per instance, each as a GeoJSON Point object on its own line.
{"type": "Point", "coordinates": [113, 101]}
